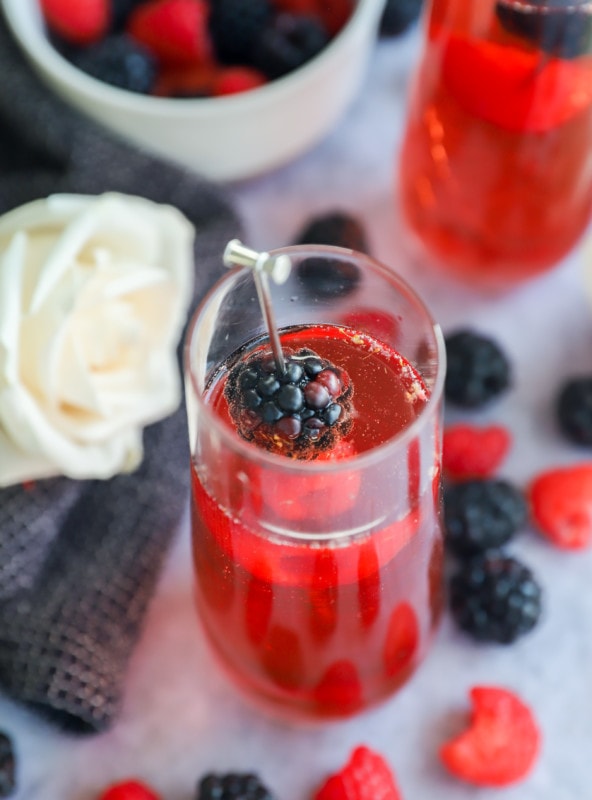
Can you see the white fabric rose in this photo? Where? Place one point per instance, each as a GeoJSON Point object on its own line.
{"type": "Point", "coordinates": [94, 292]}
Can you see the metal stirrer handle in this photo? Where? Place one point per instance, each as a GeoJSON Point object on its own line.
{"type": "Point", "coordinates": [236, 254]}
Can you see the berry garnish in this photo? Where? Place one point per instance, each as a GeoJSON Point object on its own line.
{"type": "Point", "coordinates": [398, 16]}
{"type": "Point", "coordinates": [562, 32]}
{"type": "Point", "coordinates": [175, 31]}
{"type": "Point", "coordinates": [302, 412]}
{"type": "Point", "coordinates": [232, 786]}
{"type": "Point", "coordinates": [366, 776]}
{"type": "Point", "coordinates": [469, 451]}
{"type": "Point", "coordinates": [482, 514]}
{"type": "Point", "coordinates": [561, 505]}
{"type": "Point", "coordinates": [129, 790]}
{"type": "Point", "coordinates": [574, 410]}
{"type": "Point", "coordinates": [495, 598]}
{"type": "Point", "coordinates": [236, 26]}
{"type": "Point", "coordinates": [77, 23]}
{"type": "Point", "coordinates": [477, 369]}
{"type": "Point", "coordinates": [288, 42]}
{"type": "Point", "coordinates": [501, 744]}
{"type": "Point", "coordinates": [7, 766]}
{"type": "Point", "coordinates": [119, 61]}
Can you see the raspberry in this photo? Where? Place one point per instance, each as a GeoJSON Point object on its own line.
{"type": "Point", "coordinates": [472, 452]}
{"type": "Point", "coordinates": [119, 61]}
{"type": "Point", "coordinates": [495, 599]}
{"type": "Point", "coordinates": [366, 776]}
{"type": "Point", "coordinates": [398, 16]}
{"type": "Point", "coordinates": [175, 31]}
{"type": "Point", "coordinates": [235, 27]}
{"type": "Point", "coordinates": [232, 786]}
{"type": "Point", "coordinates": [477, 369]}
{"type": "Point", "coordinates": [561, 32]}
{"type": "Point", "coordinates": [561, 505]}
{"type": "Point", "coordinates": [288, 42]}
{"type": "Point", "coordinates": [7, 766]}
{"type": "Point", "coordinates": [79, 23]}
{"type": "Point", "coordinates": [501, 744]}
{"type": "Point", "coordinates": [482, 514]}
{"type": "Point", "coordinates": [301, 413]}
{"type": "Point", "coordinates": [129, 790]}
{"type": "Point", "coordinates": [574, 410]}
{"type": "Point", "coordinates": [232, 80]}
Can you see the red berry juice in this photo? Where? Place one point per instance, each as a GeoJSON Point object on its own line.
{"type": "Point", "coordinates": [495, 174]}
{"type": "Point", "coordinates": [311, 606]}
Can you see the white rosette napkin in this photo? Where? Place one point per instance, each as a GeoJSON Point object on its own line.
{"type": "Point", "coordinates": [93, 445]}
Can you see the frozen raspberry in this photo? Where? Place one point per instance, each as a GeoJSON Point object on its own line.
{"type": "Point", "coordinates": [477, 369]}
{"type": "Point", "coordinates": [288, 42]}
{"type": "Point", "coordinates": [7, 766]}
{"type": "Point", "coordinates": [561, 505]}
{"type": "Point", "coordinates": [119, 61]}
{"type": "Point", "coordinates": [562, 32]}
{"type": "Point", "coordinates": [232, 786]}
{"type": "Point", "coordinates": [129, 790]}
{"type": "Point", "coordinates": [175, 31]}
{"type": "Point", "coordinates": [398, 16]}
{"type": "Point", "coordinates": [236, 26]}
{"type": "Point", "coordinates": [300, 413]}
{"type": "Point", "coordinates": [232, 80]}
{"type": "Point", "coordinates": [501, 744]}
{"type": "Point", "coordinates": [366, 776]}
{"type": "Point", "coordinates": [469, 451]}
{"type": "Point", "coordinates": [482, 514]}
{"type": "Point", "coordinates": [77, 23]}
{"type": "Point", "coordinates": [495, 598]}
{"type": "Point", "coordinates": [574, 410]}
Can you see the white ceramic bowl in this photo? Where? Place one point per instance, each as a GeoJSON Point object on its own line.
{"type": "Point", "coordinates": [223, 138]}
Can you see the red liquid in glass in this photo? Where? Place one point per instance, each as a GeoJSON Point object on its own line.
{"type": "Point", "coordinates": [496, 166]}
{"type": "Point", "coordinates": [325, 628]}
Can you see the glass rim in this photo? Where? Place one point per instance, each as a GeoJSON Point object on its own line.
{"type": "Point", "coordinates": [361, 460]}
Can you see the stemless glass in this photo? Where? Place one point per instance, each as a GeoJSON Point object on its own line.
{"type": "Point", "coordinates": [495, 172]}
{"type": "Point", "coordinates": [318, 582]}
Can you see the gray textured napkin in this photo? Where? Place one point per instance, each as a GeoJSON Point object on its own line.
{"type": "Point", "coordinates": [79, 560]}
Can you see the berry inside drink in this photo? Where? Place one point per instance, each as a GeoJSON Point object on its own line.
{"type": "Point", "coordinates": [318, 573]}
{"type": "Point", "coordinates": [495, 174]}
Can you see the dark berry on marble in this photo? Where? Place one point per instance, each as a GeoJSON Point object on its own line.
{"type": "Point", "coordinates": [574, 410]}
{"type": "Point", "coordinates": [232, 786]}
{"type": "Point", "coordinates": [477, 369]}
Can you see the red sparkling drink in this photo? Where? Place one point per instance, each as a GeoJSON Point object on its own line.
{"type": "Point", "coordinates": [318, 580]}
{"type": "Point", "coordinates": [495, 173]}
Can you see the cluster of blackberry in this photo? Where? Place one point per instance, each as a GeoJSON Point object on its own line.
{"type": "Point", "coordinates": [493, 596]}
{"type": "Point", "coordinates": [564, 32]}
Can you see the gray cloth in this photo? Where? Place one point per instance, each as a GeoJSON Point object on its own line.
{"type": "Point", "coordinates": [79, 560]}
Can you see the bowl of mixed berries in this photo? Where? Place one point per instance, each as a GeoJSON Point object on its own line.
{"type": "Point", "coordinates": [230, 88]}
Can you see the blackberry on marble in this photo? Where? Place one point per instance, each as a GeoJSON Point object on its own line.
{"type": "Point", "coordinates": [495, 598]}
{"type": "Point", "coordinates": [481, 515]}
{"type": "Point", "coordinates": [477, 369]}
{"type": "Point", "coordinates": [574, 409]}
{"type": "Point", "coordinates": [298, 413]}
{"type": "Point", "coordinates": [232, 786]}
{"type": "Point", "coordinates": [7, 766]}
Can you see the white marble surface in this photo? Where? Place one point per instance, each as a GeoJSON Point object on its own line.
{"type": "Point", "coordinates": [181, 718]}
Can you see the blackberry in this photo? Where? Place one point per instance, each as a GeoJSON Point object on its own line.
{"type": "Point", "coordinates": [495, 598]}
{"type": "Point", "coordinates": [330, 277]}
{"type": "Point", "coordinates": [119, 61]}
{"type": "Point", "coordinates": [574, 410]}
{"type": "Point", "coordinates": [7, 766]}
{"type": "Point", "coordinates": [232, 786]}
{"type": "Point", "coordinates": [288, 42]}
{"type": "Point", "coordinates": [235, 27]}
{"type": "Point", "coordinates": [120, 12]}
{"type": "Point", "coordinates": [482, 515]}
{"type": "Point", "coordinates": [398, 16]}
{"type": "Point", "coordinates": [562, 32]}
{"type": "Point", "coordinates": [477, 369]}
{"type": "Point", "coordinates": [300, 413]}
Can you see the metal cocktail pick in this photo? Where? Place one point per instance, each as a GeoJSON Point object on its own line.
{"type": "Point", "coordinates": [263, 266]}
